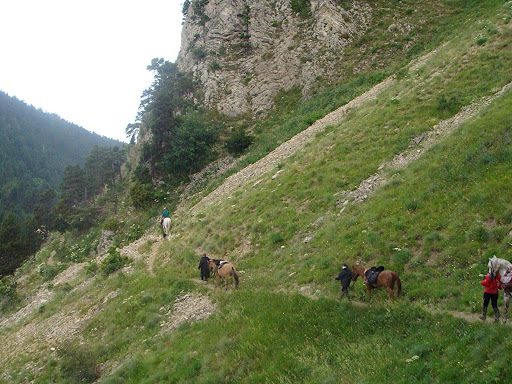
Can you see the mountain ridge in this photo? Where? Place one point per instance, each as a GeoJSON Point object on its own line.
{"type": "Point", "coordinates": [38, 145]}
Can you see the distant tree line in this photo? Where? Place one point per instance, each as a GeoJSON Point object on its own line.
{"type": "Point", "coordinates": [36, 150]}
{"type": "Point", "coordinates": [77, 206]}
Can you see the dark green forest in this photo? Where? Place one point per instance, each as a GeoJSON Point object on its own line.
{"type": "Point", "coordinates": [37, 150]}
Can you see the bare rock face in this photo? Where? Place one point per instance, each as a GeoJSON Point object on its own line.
{"type": "Point", "coordinates": [106, 240]}
{"type": "Point", "coordinates": [245, 52]}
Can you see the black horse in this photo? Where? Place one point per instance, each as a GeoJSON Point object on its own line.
{"type": "Point", "coordinates": [204, 267]}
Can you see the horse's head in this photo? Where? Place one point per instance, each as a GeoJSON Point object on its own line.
{"type": "Point", "coordinates": [498, 266]}
{"type": "Point", "coordinates": [492, 267]}
{"type": "Point", "coordinates": [355, 273]}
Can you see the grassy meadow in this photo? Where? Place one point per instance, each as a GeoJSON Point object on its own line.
{"type": "Point", "coordinates": [435, 222]}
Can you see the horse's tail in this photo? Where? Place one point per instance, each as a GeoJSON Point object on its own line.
{"type": "Point", "coordinates": [235, 276]}
{"type": "Point", "coordinates": [398, 283]}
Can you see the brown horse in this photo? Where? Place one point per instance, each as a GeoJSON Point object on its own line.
{"type": "Point", "coordinates": [386, 279]}
{"type": "Point", "coordinates": [223, 269]}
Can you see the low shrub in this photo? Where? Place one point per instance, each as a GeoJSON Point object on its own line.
{"type": "Point", "coordinates": [7, 290]}
{"type": "Point", "coordinates": [91, 268]}
{"type": "Point", "coordinates": [239, 142]}
{"type": "Point", "coordinates": [276, 238]}
{"type": "Point", "coordinates": [78, 363]}
{"type": "Point", "coordinates": [111, 224]}
{"type": "Point", "coordinates": [449, 104]}
{"type": "Point", "coordinates": [48, 272]}
{"type": "Point", "coordinates": [301, 7]}
{"type": "Point", "coordinates": [113, 262]}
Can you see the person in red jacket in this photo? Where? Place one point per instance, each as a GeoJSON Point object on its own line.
{"type": "Point", "coordinates": [491, 294]}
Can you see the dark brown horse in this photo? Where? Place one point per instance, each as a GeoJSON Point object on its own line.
{"type": "Point", "coordinates": [386, 279]}
{"type": "Point", "coordinates": [223, 269]}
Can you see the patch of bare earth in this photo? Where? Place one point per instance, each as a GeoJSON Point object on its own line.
{"type": "Point", "coordinates": [254, 171]}
{"type": "Point", "coordinates": [417, 148]}
{"type": "Point", "coordinates": [133, 250]}
{"type": "Point", "coordinates": [188, 308]}
{"type": "Point", "coordinates": [43, 295]}
{"type": "Point", "coordinates": [286, 149]}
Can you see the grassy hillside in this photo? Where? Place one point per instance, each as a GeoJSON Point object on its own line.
{"type": "Point", "coordinates": [383, 50]}
{"type": "Point", "coordinates": [435, 222]}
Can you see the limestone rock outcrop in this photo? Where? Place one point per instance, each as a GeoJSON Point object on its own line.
{"type": "Point", "coordinates": [244, 52]}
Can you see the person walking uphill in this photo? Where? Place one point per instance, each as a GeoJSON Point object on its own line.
{"type": "Point", "coordinates": [345, 278]}
{"type": "Point", "coordinates": [491, 294]}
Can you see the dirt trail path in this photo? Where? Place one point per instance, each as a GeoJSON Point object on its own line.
{"type": "Point", "coordinates": [288, 148]}
{"type": "Point", "coordinates": [254, 171]}
{"type": "Point", "coordinates": [466, 316]}
{"type": "Point", "coordinates": [69, 322]}
{"type": "Point", "coordinates": [418, 147]}
{"type": "Point", "coordinates": [133, 250]}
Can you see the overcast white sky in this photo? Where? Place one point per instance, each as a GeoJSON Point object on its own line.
{"type": "Point", "coordinates": [86, 60]}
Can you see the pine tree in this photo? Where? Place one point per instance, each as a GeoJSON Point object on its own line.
{"type": "Point", "coordinates": [44, 213]}
{"type": "Point", "coordinates": [10, 244]}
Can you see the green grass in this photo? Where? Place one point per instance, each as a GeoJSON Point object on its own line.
{"type": "Point", "coordinates": [435, 223]}
{"type": "Point", "coordinates": [293, 113]}
{"type": "Point", "coordinates": [355, 150]}
{"type": "Point", "coordinates": [271, 338]}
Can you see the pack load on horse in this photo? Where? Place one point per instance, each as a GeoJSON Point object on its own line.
{"type": "Point", "coordinates": [385, 278]}
{"type": "Point", "coordinates": [504, 268]}
{"type": "Point", "coordinates": [218, 264]}
{"type": "Point", "coordinates": [506, 281]}
{"type": "Point", "coordinates": [223, 270]}
{"type": "Point", "coordinates": [204, 266]}
{"type": "Point", "coordinates": [372, 274]}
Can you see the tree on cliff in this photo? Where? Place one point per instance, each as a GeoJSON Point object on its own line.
{"type": "Point", "coordinates": [181, 135]}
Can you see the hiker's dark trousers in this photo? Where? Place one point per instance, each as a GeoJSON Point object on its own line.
{"type": "Point", "coordinates": [493, 297]}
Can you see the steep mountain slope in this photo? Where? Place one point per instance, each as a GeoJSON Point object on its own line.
{"type": "Point", "coordinates": [245, 53]}
{"type": "Point", "coordinates": [439, 134]}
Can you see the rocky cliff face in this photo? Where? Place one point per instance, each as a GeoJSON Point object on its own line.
{"type": "Point", "coordinates": [245, 51]}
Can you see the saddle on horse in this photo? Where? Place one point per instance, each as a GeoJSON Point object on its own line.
{"type": "Point", "coordinates": [219, 263]}
{"type": "Point", "coordinates": [372, 274]}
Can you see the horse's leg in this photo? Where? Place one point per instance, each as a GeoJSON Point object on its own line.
{"type": "Point", "coordinates": [227, 281]}
{"type": "Point", "coordinates": [507, 302]}
{"type": "Point", "coordinates": [391, 293]}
